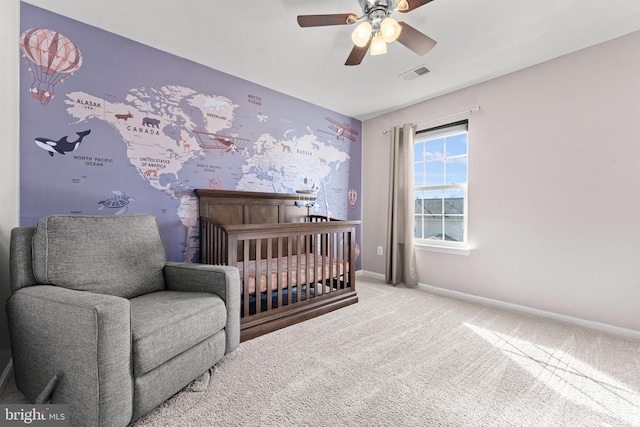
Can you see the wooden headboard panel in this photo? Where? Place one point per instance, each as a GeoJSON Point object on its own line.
{"type": "Point", "coordinates": [247, 207]}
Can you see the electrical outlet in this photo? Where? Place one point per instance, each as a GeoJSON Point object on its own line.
{"type": "Point", "coordinates": [380, 251]}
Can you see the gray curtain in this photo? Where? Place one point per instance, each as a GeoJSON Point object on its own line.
{"type": "Point", "coordinates": [401, 260]}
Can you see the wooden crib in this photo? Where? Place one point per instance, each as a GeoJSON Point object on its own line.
{"type": "Point", "coordinates": [293, 265]}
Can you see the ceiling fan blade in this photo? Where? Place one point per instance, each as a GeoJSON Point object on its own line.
{"type": "Point", "coordinates": [408, 5]}
{"type": "Point", "coordinates": [322, 20]}
{"type": "Point", "coordinates": [415, 40]}
{"type": "Point", "coordinates": [357, 54]}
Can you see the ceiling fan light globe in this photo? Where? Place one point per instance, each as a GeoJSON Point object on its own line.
{"type": "Point", "coordinates": [390, 29]}
{"type": "Point", "coordinates": [378, 45]}
{"type": "Point", "coordinates": [361, 34]}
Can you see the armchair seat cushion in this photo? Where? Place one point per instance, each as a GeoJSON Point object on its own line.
{"type": "Point", "coordinates": [164, 324]}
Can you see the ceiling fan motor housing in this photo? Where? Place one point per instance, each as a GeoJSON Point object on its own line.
{"type": "Point", "coordinates": [369, 5]}
{"type": "Point", "coordinates": [376, 10]}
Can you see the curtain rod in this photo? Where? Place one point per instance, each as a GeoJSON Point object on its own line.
{"type": "Point", "coordinates": [470, 111]}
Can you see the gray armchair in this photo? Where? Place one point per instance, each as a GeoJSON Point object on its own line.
{"type": "Point", "coordinates": [100, 321]}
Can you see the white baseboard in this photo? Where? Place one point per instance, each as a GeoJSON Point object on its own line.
{"type": "Point", "coordinates": [602, 327]}
{"type": "Point", "coordinates": [5, 375]}
{"type": "Point", "coordinates": [370, 274]}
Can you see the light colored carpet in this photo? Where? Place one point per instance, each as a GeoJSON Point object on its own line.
{"type": "Point", "coordinates": [404, 357]}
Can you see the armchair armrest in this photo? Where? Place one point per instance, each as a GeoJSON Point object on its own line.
{"type": "Point", "coordinates": [84, 339]}
{"type": "Point", "coordinates": [221, 280]}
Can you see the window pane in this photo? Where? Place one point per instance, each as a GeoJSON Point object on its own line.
{"type": "Point", "coordinates": [453, 202]}
{"type": "Point", "coordinates": [434, 149]}
{"type": "Point", "coordinates": [418, 174]}
{"type": "Point", "coordinates": [454, 229]}
{"type": "Point", "coordinates": [432, 227]}
{"type": "Point", "coordinates": [457, 145]}
{"type": "Point", "coordinates": [417, 231]}
{"type": "Point", "coordinates": [418, 151]}
{"type": "Point", "coordinates": [433, 202]}
{"type": "Point", "coordinates": [456, 170]}
{"type": "Point", "coordinates": [435, 173]}
{"type": "Point", "coordinates": [419, 203]}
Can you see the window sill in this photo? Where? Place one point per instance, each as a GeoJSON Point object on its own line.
{"type": "Point", "coordinates": [454, 250]}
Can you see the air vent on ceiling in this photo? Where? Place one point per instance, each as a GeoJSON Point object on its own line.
{"type": "Point", "coordinates": [415, 73]}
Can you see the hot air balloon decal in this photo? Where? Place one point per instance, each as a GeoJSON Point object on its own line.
{"type": "Point", "coordinates": [51, 58]}
{"type": "Point", "coordinates": [353, 196]}
{"type": "Point", "coordinates": [215, 183]}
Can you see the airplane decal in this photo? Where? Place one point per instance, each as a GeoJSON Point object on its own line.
{"type": "Point", "coordinates": [215, 141]}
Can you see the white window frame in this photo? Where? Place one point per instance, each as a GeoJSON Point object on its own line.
{"type": "Point", "coordinates": [446, 246]}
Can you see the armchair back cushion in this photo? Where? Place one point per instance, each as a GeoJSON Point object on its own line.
{"type": "Point", "coordinates": [121, 256]}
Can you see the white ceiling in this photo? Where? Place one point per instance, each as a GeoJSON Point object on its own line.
{"type": "Point", "coordinates": [260, 41]}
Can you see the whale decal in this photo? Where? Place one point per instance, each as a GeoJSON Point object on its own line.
{"type": "Point", "coordinates": [62, 145]}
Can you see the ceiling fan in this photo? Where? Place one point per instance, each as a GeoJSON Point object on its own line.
{"type": "Point", "coordinates": [377, 27]}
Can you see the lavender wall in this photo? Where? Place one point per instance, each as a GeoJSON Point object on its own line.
{"type": "Point", "coordinates": [553, 187]}
{"type": "Point", "coordinates": [9, 159]}
{"type": "Point", "coordinates": [135, 130]}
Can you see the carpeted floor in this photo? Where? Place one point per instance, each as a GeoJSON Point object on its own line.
{"type": "Point", "coordinates": [404, 357]}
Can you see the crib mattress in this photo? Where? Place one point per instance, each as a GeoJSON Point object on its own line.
{"type": "Point", "coordinates": [332, 269]}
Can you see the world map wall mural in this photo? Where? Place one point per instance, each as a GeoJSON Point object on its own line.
{"type": "Point", "coordinates": [109, 126]}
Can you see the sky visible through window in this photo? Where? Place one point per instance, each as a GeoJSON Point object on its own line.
{"type": "Point", "coordinates": [436, 156]}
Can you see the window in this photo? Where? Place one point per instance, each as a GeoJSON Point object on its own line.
{"type": "Point", "coordinates": [440, 169]}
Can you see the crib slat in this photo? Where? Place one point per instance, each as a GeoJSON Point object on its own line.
{"type": "Point", "coordinates": [330, 255]}
{"type": "Point", "coordinates": [258, 275]}
{"type": "Point", "coordinates": [269, 272]}
{"type": "Point", "coordinates": [204, 238]}
{"type": "Point", "coordinates": [336, 257]}
{"type": "Point", "coordinates": [298, 268]}
{"type": "Point", "coordinates": [343, 258]}
{"type": "Point", "coordinates": [245, 266]}
{"type": "Point", "coordinates": [279, 271]}
{"type": "Point", "coordinates": [224, 248]}
{"type": "Point", "coordinates": [207, 246]}
{"type": "Point", "coordinates": [335, 247]}
{"type": "Point", "coordinates": [340, 260]}
{"type": "Point", "coordinates": [308, 277]}
{"type": "Point", "coordinates": [289, 297]}
{"type": "Point", "coordinates": [316, 276]}
{"type": "Point", "coordinates": [212, 244]}
{"type": "Point", "coordinates": [215, 243]}
{"type": "Point", "coordinates": [347, 260]}
{"type": "Point", "coordinates": [219, 249]}
{"type": "Point", "coordinates": [220, 244]}
{"type": "Point", "coordinates": [323, 251]}
{"type": "Point", "coordinates": [216, 235]}
{"type": "Point", "coordinates": [339, 255]}
{"type": "Point", "coordinates": [352, 259]}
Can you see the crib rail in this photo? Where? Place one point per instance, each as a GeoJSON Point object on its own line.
{"type": "Point", "coordinates": [286, 268]}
